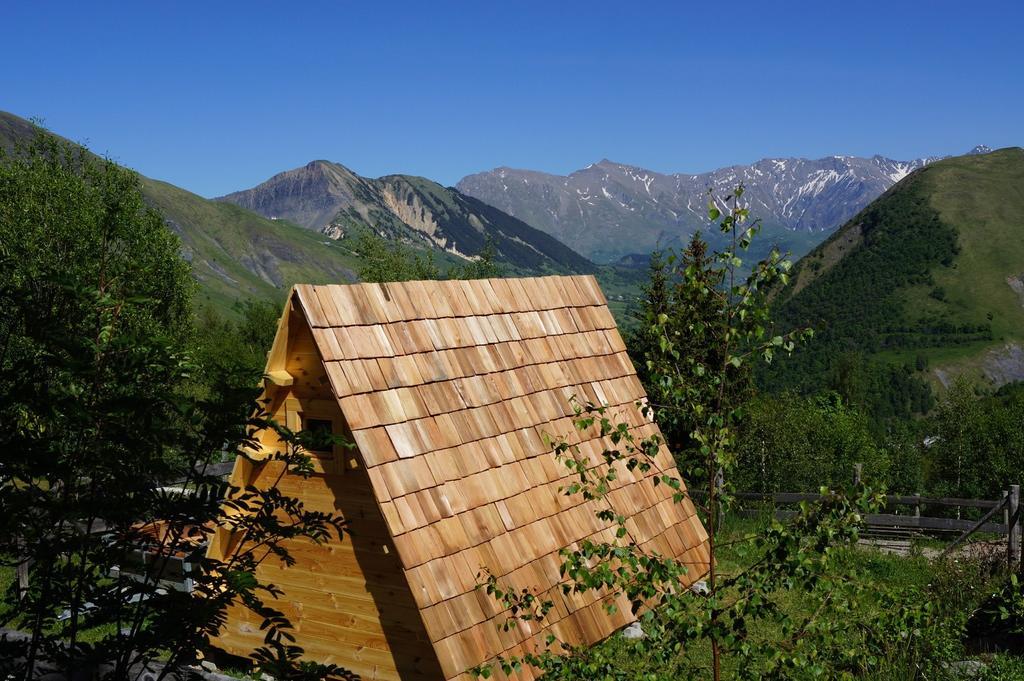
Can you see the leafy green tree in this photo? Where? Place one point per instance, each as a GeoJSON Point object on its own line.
{"type": "Point", "coordinates": [903, 442]}
{"type": "Point", "coordinates": [98, 415]}
{"type": "Point", "coordinates": [66, 218]}
{"type": "Point", "coordinates": [886, 392]}
{"type": "Point", "coordinates": [236, 345]}
{"type": "Point", "coordinates": [485, 266]}
{"type": "Point", "coordinates": [384, 260]}
{"type": "Point", "coordinates": [682, 303]}
{"type": "Point", "coordinates": [229, 355]}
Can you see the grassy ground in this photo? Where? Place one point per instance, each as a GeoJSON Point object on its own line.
{"type": "Point", "coordinates": [7, 576]}
{"type": "Point", "coordinates": [960, 586]}
{"type": "Point", "coordinates": [89, 635]}
{"type": "Point", "coordinates": [988, 219]}
{"type": "Point", "coordinates": [957, 585]}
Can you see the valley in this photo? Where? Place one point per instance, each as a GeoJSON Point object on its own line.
{"type": "Point", "coordinates": [561, 341]}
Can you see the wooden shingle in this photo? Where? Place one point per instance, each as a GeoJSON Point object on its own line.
{"type": "Point", "coordinates": [454, 392]}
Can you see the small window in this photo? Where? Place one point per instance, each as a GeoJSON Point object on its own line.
{"type": "Point", "coordinates": [320, 435]}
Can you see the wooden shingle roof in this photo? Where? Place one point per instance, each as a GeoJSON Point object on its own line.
{"type": "Point", "coordinates": [448, 388]}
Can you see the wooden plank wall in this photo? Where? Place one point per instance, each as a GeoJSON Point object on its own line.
{"type": "Point", "coordinates": [348, 600]}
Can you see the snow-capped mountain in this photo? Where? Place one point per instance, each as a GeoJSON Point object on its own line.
{"type": "Point", "coordinates": [608, 210]}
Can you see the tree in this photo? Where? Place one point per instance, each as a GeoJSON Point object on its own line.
{"type": "Point", "coordinates": [976, 443]}
{"type": "Point", "coordinates": [384, 260]}
{"type": "Point", "coordinates": [236, 347]}
{"type": "Point", "coordinates": [99, 415]}
{"type": "Point", "coordinates": [682, 304]}
{"type": "Point", "coordinates": [66, 218]}
{"type": "Point", "coordinates": [484, 266]}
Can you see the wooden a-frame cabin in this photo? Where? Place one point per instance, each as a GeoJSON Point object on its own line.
{"type": "Point", "coordinates": [447, 388]}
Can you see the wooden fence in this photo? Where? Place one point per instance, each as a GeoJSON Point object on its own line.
{"type": "Point", "coordinates": [1001, 516]}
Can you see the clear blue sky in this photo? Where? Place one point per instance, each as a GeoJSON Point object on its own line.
{"type": "Point", "coordinates": [217, 96]}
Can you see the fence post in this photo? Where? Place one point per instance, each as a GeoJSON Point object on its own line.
{"type": "Point", "coordinates": [22, 572]}
{"type": "Point", "coordinates": [22, 569]}
{"type": "Point", "coordinates": [858, 468]}
{"type": "Point", "coordinates": [917, 505]}
{"type": "Point", "coordinates": [1006, 510]}
{"type": "Point", "coordinates": [1013, 532]}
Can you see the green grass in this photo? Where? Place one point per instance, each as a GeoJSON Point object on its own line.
{"type": "Point", "coordinates": [7, 577]}
{"type": "Point", "coordinates": [884, 571]}
{"type": "Point", "coordinates": [943, 580]}
{"type": "Point", "coordinates": [88, 635]}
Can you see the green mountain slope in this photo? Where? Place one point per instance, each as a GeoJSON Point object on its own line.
{"type": "Point", "coordinates": [329, 198]}
{"type": "Point", "coordinates": [235, 253]}
{"type": "Point", "coordinates": [928, 275]}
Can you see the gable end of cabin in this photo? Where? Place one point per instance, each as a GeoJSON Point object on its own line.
{"type": "Point", "coordinates": [348, 599]}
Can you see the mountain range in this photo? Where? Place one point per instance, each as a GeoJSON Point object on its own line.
{"type": "Point", "coordinates": [609, 210]}
{"type": "Point", "coordinates": [296, 227]}
{"type": "Point", "coordinates": [330, 198]}
{"type": "Point", "coordinates": [238, 253]}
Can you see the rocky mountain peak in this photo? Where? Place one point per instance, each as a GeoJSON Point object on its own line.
{"type": "Point", "coordinates": [310, 195]}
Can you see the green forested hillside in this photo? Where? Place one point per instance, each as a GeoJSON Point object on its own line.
{"type": "Point", "coordinates": [922, 284]}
